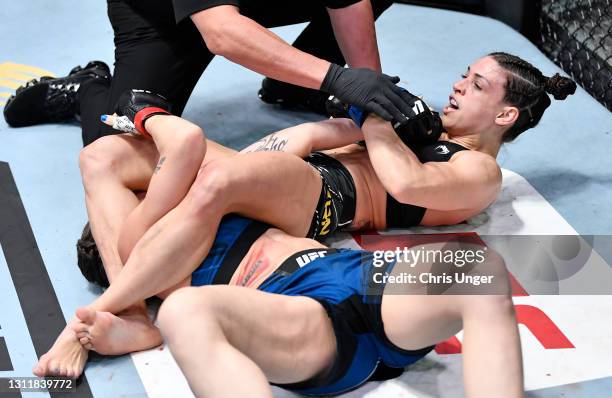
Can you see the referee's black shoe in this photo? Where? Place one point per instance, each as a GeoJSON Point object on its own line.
{"type": "Point", "coordinates": [292, 97]}
{"type": "Point", "coordinates": [50, 99]}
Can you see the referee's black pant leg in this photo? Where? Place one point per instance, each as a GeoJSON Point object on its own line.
{"type": "Point", "coordinates": [93, 97]}
{"type": "Point", "coordinates": [151, 53]}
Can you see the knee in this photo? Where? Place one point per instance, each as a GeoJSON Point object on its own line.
{"type": "Point", "coordinates": [178, 306]}
{"type": "Point", "coordinates": [185, 308]}
{"type": "Point", "coordinates": [211, 188]}
{"type": "Point", "coordinates": [101, 157]}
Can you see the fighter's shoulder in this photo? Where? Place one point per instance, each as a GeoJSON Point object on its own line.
{"type": "Point", "coordinates": [485, 165]}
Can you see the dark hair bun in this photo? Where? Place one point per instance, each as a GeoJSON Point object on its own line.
{"type": "Point", "coordinates": [560, 87]}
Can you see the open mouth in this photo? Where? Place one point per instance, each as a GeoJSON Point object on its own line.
{"type": "Point", "coordinates": [452, 106]}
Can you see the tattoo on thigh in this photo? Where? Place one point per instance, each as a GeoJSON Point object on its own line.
{"type": "Point", "coordinates": [159, 164]}
{"type": "Point", "coordinates": [253, 271]}
{"type": "Point", "coordinates": [245, 280]}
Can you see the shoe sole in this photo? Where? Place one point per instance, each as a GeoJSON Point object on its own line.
{"type": "Point", "coordinates": [18, 111]}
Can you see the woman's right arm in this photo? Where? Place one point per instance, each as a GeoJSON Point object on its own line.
{"type": "Point", "coordinates": [470, 180]}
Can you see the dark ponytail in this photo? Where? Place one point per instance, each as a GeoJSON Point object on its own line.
{"type": "Point", "coordinates": [527, 89]}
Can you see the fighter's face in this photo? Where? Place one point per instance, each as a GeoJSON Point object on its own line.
{"type": "Point", "coordinates": [477, 99]}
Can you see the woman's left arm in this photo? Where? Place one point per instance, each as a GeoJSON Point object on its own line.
{"type": "Point", "coordinates": [305, 138]}
{"type": "Point", "coordinates": [469, 180]}
{"type": "Point", "coordinates": [182, 147]}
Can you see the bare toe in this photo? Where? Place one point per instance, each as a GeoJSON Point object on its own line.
{"type": "Point", "coordinates": [53, 368]}
{"type": "Point", "coordinates": [66, 356]}
{"type": "Point", "coordinates": [86, 315]}
{"type": "Point", "coordinates": [80, 328]}
{"type": "Point", "coordinates": [40, 369]}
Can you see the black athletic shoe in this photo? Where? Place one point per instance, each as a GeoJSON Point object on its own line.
{"type": "Point", "coordinates": [293, 97]}
{"type": "Point", "coordinates": [51, 99]}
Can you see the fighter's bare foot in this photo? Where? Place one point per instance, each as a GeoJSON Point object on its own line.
{"type": "Point", "coordinates": [109, 334]}
{"type": "Point", "coordinates": [67, 357]}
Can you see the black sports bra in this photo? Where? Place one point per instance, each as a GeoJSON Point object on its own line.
{"type": "Point", "coordinates": [402, 215]}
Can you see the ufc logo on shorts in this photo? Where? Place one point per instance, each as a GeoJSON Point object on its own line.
{"type": "Point", "coordinates": [308, 257]}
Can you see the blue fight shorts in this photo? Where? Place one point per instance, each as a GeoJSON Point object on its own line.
{"type": "Point", "coordinates": [342, 281]}
{"type": "Point", "coordinates": [233, 240]}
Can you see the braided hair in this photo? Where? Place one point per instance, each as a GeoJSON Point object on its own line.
{"type": "Point", "coordinates": [527, 89]}
{"type": "Point", "coordinates": [89, 260]}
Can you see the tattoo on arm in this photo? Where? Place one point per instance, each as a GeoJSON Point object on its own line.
{"type": "Point", "coordinates": [257, 144]}
{"type": "Point", "coordinates": [271, 143]}
{"type": "Point", "coordinates": [159, 164]}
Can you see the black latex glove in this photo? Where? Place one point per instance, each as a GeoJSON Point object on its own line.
{"type": "Point", "coordinates": [370, 90]}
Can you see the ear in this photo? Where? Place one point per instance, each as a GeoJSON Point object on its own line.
{"type": "Point", "coordinates": [507, 116]}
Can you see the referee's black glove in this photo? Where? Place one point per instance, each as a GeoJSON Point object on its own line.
{"type": "Point", "coordinates": [370, 90]}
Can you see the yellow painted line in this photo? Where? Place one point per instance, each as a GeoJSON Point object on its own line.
{"type": "Point", "coordinates": [33, 70]}
{"type": "Point", "coordinates": [9, 83]}
{"type": "Point", "coordinates": [5, 95]}
{"type": "Point", "coordinates": [9, 74]}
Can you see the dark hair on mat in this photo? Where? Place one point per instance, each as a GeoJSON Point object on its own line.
{"type": "Point", "coordinates": [89, 260]}
{"type": "Point", "coordinates": [527, 89]}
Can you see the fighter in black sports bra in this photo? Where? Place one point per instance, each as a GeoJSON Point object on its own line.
{"type": "Point", "coordinates": [337, 202]}
{"type": "Point", "coordinates": [402, 215]}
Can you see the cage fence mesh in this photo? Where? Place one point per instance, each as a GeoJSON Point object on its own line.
{"type": "Point", "coordinates": [577, 36]}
